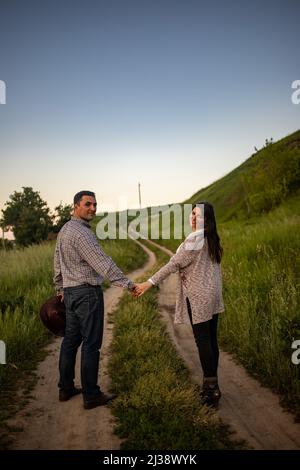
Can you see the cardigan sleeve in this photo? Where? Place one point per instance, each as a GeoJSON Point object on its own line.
{"type": "Point", "coordinates": [185, 256]}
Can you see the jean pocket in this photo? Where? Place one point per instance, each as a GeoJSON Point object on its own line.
{"type": "Point", "coordinates": [78, 296]}
{"type": "Point", "coordinates": [94, 294]}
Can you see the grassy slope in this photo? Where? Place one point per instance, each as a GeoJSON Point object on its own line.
{"type": "Point", "coordinates": [261, 183]}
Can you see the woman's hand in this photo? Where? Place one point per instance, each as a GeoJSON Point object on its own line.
{"type": "Point", "coordinates": [141, 288]}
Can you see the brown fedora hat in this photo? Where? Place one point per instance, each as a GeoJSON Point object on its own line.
{"type": "Point", "coordinates": [53, 315]}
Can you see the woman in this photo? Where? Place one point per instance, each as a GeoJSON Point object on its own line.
{"type": "Point", "coordinates": [199, 297]}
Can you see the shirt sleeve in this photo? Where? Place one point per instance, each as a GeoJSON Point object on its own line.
{"type": "Point", "coordinates": [103, 264]}
{"type": "Point", "coordinates": [185, 256]}
{"type": "Point", "coordinates": [57, 279]}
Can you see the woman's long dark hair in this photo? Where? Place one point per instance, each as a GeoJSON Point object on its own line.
{"type": "Point", "coordinates": [210, 232]}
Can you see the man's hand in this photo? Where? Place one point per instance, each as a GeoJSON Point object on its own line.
{"type": "Point", "coordinates": [61, 295]}
{"type": "Point", "coordinates": [132, 290]}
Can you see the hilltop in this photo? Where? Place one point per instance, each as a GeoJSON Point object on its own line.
{"type": "Point", "coordinates": [264, 181]}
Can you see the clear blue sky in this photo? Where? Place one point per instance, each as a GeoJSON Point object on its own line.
{"type": "Point", "coordinates": [171, 93]}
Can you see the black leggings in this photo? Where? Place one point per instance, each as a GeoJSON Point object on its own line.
{"type": "Point", "coordinates": [205, 335]}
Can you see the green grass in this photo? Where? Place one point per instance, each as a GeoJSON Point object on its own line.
{"type": "Point", "coordinates": [25, 283]}
{"type": "Point", "coordinates": [261, 269]}
{"type": "Point", "coordinates": [158, 405]}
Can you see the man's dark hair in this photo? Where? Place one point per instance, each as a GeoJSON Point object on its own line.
{"type": "Point", "coordinates": [78, 196]}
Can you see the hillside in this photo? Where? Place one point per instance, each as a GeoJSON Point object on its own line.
{"type": "Point", "coordinates": [260, 184]}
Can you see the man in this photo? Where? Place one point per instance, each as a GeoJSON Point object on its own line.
{"type": "Point", "coordinates": [80, 266]}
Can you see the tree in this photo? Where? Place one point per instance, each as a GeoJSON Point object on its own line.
{"type": "Point", "coordinates": [6, 244]}
{"type": "Point", "coordinates": [28, 216]}
{"type": "Point", "coordinates": [63, 214]}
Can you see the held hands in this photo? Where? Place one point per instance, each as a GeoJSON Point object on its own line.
{"type": "Point", "coordinates": [141, 288]}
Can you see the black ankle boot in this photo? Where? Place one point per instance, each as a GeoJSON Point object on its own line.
{"type": "Point", "coordinates": [210, 394]}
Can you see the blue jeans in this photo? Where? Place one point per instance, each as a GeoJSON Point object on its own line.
{"type": "Point", "coordinates": [84, 324]}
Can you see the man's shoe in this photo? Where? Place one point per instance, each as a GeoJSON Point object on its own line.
{"type": "Point", "coordinates": [65, 395]}
{"type": "Point", "coordinates": [99, 400]}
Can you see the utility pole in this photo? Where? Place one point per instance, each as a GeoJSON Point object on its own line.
{"type": "Point", "coordinates": [140, 200]}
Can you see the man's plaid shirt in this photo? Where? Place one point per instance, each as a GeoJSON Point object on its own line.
{"type": "Point", "coordinates": [80, 260]}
